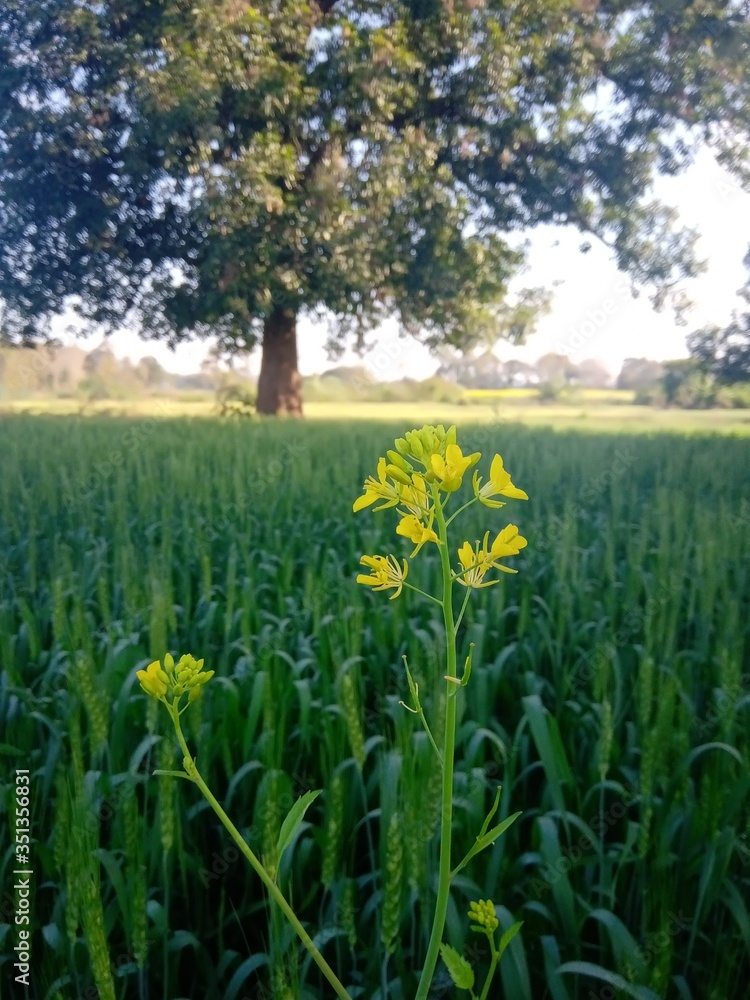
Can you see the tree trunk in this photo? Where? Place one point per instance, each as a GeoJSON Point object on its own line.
{"type": "Point", "coordinates": [279, 384]}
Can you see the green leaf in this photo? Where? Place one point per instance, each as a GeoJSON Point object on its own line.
{"type": "Point", "coordinates": [293, 819]}
{"type": "Point", "coordinates": [460, 971]}
{"type": "Point", "coordinates": [508, 937]}
{"type": "Point", "coordinates": [546, 735]}
{"type": "Point", "coordinates": [611, 978]}
{"type": "Point", "coordinates": [488, 818]}
{"type": "Point", "coordinates": [487, 840]}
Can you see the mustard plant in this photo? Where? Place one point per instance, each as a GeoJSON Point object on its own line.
{"type": "Point", "coordinates": [177, 686]}
{"type": "Point", "coordinates": [420, 480]}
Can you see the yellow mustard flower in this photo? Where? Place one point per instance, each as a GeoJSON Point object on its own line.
{"type": "Point", "coordinates": [499, 484]}
{"type": "Point", "coordinates": [385, 573]}
{"type": "Point", "coordinates": [415, 497]}
{"type": "Point", "coordinates": [381, 489]}
{"type": "Point", "coordinates": [170, 682]}
{"type": "Point", "coordinates": [449, 470]}
{"type": "Point", "coordinates": [154, 680]}
{"type": "Point", "coordinates": [484, 916]}
{"type": "Point", "coordinates": [507, 542]}
{"type": "Point", "coordinates": [474, 565]}
{"type": "Point", "coordinates": [476, 561]}
{"type": "Point", "coordinates": [412, 528]}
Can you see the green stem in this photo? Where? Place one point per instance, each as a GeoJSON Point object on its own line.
{"type": "Point", "coordinates": [419, 711]}
{"type": "Point", "coordinates": [491, 972]}
{"type": "Point", "coordinates": [446, 821]}
{"type": "Point", "coordinates": [463, 607]}
{"type": "Point", "coordinates": [457, 512]}
{"type": "Point", "coordinates": [257, 866]}
{"type": "Point", "coordinates": [423, 593]}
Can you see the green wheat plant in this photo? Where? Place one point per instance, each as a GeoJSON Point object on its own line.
{"type": "Point", "coordinates": [610, 696]}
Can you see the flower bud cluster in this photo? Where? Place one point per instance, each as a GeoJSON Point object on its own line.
{"type": "Point", "coordinates": [170, 681]}
{"type": "Point", "coordinates": [483, 915]}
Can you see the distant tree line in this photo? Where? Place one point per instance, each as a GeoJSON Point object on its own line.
{"type": "Point", "coordinates": [699, 381]}
{"type": "Point", "coordinates": [55, 370]}
{"type": "Point", "coordinates": [486, 371]}
{"type": "Point", "coordinates": [685, 382]}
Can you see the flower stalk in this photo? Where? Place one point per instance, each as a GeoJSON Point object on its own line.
{"type": "Point", "coordinates": [448, 755]}
{"type": "Point", "coordinates": [158, 682]}
{"type": "Point", "coordinates": [418, 480]}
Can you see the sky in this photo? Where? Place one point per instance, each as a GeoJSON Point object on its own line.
{"type": "Point", "coordinates": [593, 313]}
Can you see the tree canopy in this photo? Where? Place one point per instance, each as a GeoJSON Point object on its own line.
{"type": "Point", "coordinates": [724, 352]}
{"type": "Point", "coordinates": [217, 167]}
{"type": "Point", "coordinates": [639, 373]}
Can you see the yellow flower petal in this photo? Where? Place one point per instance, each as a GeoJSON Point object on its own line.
{"type": "Point", "coordinates": [379, 489]}
{"type": "Point", "coordinates": [412, 528]}
{"type": "Point", "coordinates": [153, 680]}
{"type": "Point", "coordinates": [386, 573]}
{"type": "Point", "coordinates": [499, 484]}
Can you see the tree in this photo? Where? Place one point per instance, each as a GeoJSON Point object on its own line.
{"type": "Point", "coordinates": [220, 168]}
{"type": "Point", "coordinates": [475, 365]}
{"type": "Point", "coordinates": [725, 353]}
{"type": "Point", "coordinates": [556, 369]}
{"type": "Point", "coordinates": [150, 373]}
{"type": "Point", "coordinates": [519, 373]}
{"type": "Point", "coordinates": [592, 374]}
{"type": "Point", "coordinates": [472, 370]}
{"type": "Point", "coordinates": [685, 385]}
{"type": "Point", "coordinates": [640, 373]}
{"type": "Point", "coordinates": [102, 373]}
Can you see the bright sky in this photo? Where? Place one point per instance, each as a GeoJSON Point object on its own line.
{"type": "Point", "coordinates": [593, 313]}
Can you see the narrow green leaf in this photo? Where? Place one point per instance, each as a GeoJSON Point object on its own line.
{"type": "Point", "coordinates": [491, 813]}
{"type": "Point", "coordinates": [293, 819]}
{"type": "Point", "coordinates": [546, 735]}
{"type": "Point", "coordinates": [508, 936]}
{"type": "Point", "coordinates": [487, 840]}
{"type": "Point", "coordinates": [552, 962]}
{"type": "Point", "coordinates": [612, 978]}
